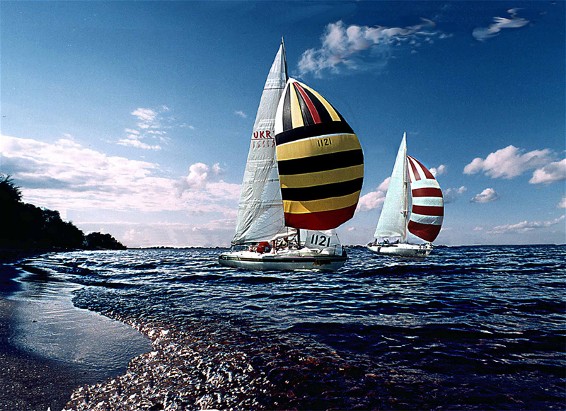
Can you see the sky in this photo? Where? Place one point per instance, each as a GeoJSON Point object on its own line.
{"type": "Point", "coordinates": [134, 118]}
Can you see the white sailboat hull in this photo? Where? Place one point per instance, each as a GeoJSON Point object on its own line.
{"type": "Point", "coordinates": [402, 249]}
{"type": "Point", "coordinates": [284, 260]}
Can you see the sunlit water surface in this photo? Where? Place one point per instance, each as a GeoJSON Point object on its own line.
{"type": "Point", "coordinates": [466, 328]}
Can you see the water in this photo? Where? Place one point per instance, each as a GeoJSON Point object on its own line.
{"type": "Point", "coordinates": [467, 328]}
{"type": "Point", "coordinates": [45, 323]}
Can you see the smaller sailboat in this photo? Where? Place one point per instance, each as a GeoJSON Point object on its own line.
{"type": "Point", "coordinates": [411, 187]}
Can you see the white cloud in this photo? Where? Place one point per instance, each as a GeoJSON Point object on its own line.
{"type": "Point", "coordinates": [508, 162]}
{"type": "Point", "coordinates": [524, 226]}
{"type": "Point", "coordinates": [145, 115]}
{"type": "Point", "coordinates": [216, 169]}
{"type": "Point", "coordinates": [78, 181]}
{"type": "Point", "coordinates": [200, 188]}
{"type": "Point", "coordinates": [550, 173]}
{"type": "Point", "coordinates": [198, 173]}
{"type": "Point", "coordinates": [486, 196]}
{"type": "Point", "coordinates": [213, 233]}
{"type": "Point", "coordinates": [500, 23]}
{"type": "Point", "coordinates": [562, 203]}
{"type": "Point", "coordinates": [149, 128]}
{"type": "Point", "coordinates": [132, 140]}
{"type": "Point", "coordinates": [452, 194]}
{"type": "Point", "coordinates": [362, 47]}
{"type": "Point", "coordinates": [375, 198]}
{"type": "Point", "coordinates": [241, 114]}
{"type": "Point", "coordinates": [438, 171]}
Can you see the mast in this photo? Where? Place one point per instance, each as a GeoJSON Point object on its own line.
{"type": "Point", "coordinates": [406, 192]}
{"type": "Point", "coordinates": [284, 59]}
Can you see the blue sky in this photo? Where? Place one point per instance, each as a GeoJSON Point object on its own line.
{"type": "Point", "coordinates": [134, 118]}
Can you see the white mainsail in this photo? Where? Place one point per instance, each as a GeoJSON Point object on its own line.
{"type": "Point", "coordinates": [260, 210]}
{"type": "Point", "coordinates": [393, 219]}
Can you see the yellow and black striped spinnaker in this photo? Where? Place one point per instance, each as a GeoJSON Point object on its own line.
{"type": "Point", "coordinates": [319, 158]}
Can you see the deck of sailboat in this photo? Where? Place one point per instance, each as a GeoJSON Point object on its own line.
{"type": "Point", "coordinates": [302, 259]}
{"type": "Point", "coordinates": [402, 249]}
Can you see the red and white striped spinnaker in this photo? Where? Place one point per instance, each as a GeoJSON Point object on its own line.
{"type": "Point", "coordinates": [427, 211]}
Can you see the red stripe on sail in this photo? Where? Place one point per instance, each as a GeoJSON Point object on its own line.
{"type": "Point", "coordinates": [427, 192]}
{"type": "Point", "coordinates": [428, 210]}
{"type": "Point", "coordinates": [425, 170]}
{"type": "Point", "coordinates": [322, 220]}
{"type": "Point", "coordinates": [416, 175]}
{"type": "Point", "coordinates": [427, 232]}
{"type": "Point", "coordinates": [309, 103]}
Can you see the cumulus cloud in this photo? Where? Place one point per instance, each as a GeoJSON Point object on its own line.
{"type": "Point", "coordinates": [438, 171]}
{"type": "Point", "coordinates": [486, 196]}
{"type": "Point", "coordinates": [375, 198]}
{"type": "Point", "coordinates": [199, 176]}
{"type": "Point", "coordinates": [452, 194]}
{"type": "Point", "coordinates": [66, 175]}
{"type": "Point", "coordinates": [525, 226]}
{"type": "Point", "coordinates": [353, 47]}
{"type": "Point", "coordinates": [550, 173]}
{"type": "Point", "coordinates": [241, 114]}
{"type": "Point", "coordinates": [500, 23]}
{"type": "Point", "coordinates": [508, 162]}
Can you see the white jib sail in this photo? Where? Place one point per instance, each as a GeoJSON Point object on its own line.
{"type": "Point", "coordinates": [260, 210]}
{"type": "Point", "coordinates": [393, 219]}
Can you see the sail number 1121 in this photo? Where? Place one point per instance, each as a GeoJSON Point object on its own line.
{"type": "Point", "coordinates": [326, 141]}
{"type": "Point", "coordinates": [320, 240]}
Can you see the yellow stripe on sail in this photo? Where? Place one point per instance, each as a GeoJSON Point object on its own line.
{"type": "Point", "coordinates": [327, 204]}
{"type": "Point", "coordinates": [333, 114]}
{"type": "Point", "coordinates": [322, 177]}
{"type": "Point", "coordinates": [296, 113]}
{"type": "Point", "coordinates": [314, 146]}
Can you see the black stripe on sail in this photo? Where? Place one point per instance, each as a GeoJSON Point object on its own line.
{"type": "Point", "coordinates": [287, 121]}
{"type": "Point", "coordinates": [322, 191]}
{"type": "Point", "coordinates": [315, 130]}
{"type": "Point", "coordinates": [321, 110]}
{"type": "Point", "coordinates": [305, 112]}
{"type": "Point", "coordinates": [323, 162]}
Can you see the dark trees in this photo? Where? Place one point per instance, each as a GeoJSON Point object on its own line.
{"type": "Point", "coordinates": [26, 226]}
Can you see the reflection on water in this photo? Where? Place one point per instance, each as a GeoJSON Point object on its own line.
{"type": "Point", "coordinates": [46, 323]}
{"type": "Point", "coordinates": [467, 328]}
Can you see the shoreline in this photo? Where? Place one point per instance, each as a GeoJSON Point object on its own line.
{"type": "Point", "coordinates": [46, 343]}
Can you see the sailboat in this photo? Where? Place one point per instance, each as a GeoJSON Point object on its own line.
{"type": "Point", "coordinates": [411, 187]}
{"type": "Point", "coordinates": [302, 180]}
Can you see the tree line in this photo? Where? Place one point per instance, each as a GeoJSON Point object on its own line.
{"type": "Point", "coordinates": [25, 226]}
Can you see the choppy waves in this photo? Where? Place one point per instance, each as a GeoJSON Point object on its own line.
{"type": "Point", "coordinates": [467, 328]}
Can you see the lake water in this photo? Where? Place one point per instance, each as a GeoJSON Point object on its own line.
{"type": "Point", "coordinates": [467, 328]}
